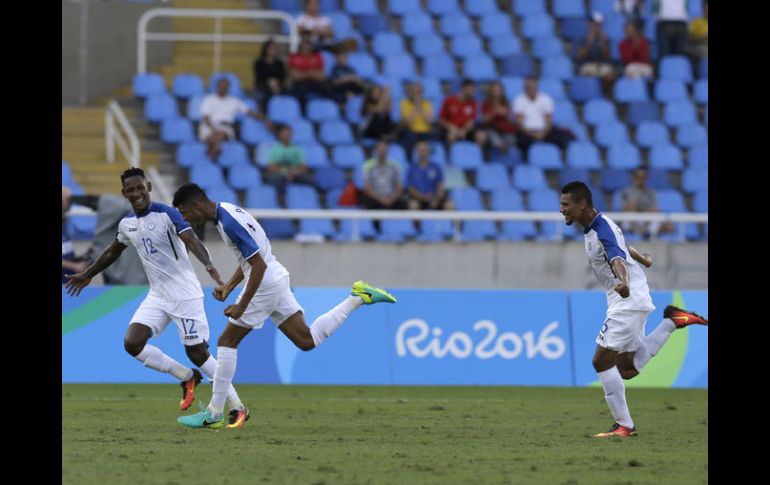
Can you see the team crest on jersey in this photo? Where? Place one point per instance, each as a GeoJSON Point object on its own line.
{"type": "Point", "coordinates": [151, 226]}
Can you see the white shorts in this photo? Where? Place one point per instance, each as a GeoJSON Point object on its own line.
{"type": "Point", "coordinates": [189, 316]}
{"type": "Point", "coordinates": [204, 131]}
{"type": "Point", "coordinates": [623, 331]}
{"type": "Point", "coordinates": [275, 301]}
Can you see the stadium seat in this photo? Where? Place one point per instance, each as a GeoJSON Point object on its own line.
{"type": "Point", "coordinates": [278, 228]}
{"type": "Point", "coordinates": [361, 7]}
{"type": "Point", "coordinates": [207, 175]}
{"type": "Point", "coordinates": [659, 179]}
{"type": "Point", "coordinates": [584, 88]}
{"type": "Point", "coordinates": [627, 90]}
{"type": "Point", "coordinates": [583, 154]}
{"type": "Point", "coordinates": [262, 154]}
{"type": "Point", "coordinates": [223, 194]}
{"type": "Point", "coordinates": [387, 43]}
{"type": "Point", "coordinates": [283, 109]}
{"type": "Point", "coordinates": [342, 24]}
{"type": "Point", "coordinates": [244, 177]}
{"type": "Point", "coordinates": [466, 155]}
{"type": "Point", "coordinates": [176, 130]}
{"type": "Point", "coordinates": [564, 112]}
{"type": "Point", "coordinates": [701, 91]}
{"type": "Point", "coordinates": [666, 156]}
{"type": "Point", "coordinates": [302, 131]}
{"type": "Point", "coordinates": [650, 133]}
{"type": "Point", "coordinates": [396, 230]}
{"type": "Point", "coordinates": [324, 227]}
{"type": "Point", "coordinates": [435, 230]}
{"type": "Point", "coordinates": [513, 86]}
{"type": "Point", "coordinates": [315, 155]}
{"type": "Point", "coordinates": [679, 113]}
{"type": "Point", "coordinates": [320, 109]}
{"type": "Point", "coordinates": [613, 179]}
{"type": "Point", "coordinates": [372, 25]}
{"type": "Point", "coordinates": [253, 132]}
{"type": "Point", "coordinates": [642, 111]}
{"type": "Point", "coordinates": [417, 24]}
{"type": "Point", "coordinates": [193, 108]}
{"type": "Point", "coordinates": [546, 200]}
{"type": "Point", "coordinates": [148, 84]}
{"type": "Point", "coordinates": [442, 7]}
{"type": "Point", "coordinates": [667, 90]}
{"type": "Point", "coordinates": [479, 8]}
{"type": "Point", "coordinates": [568, 8]}
{"type": "Point", "coordinates": [547, 46]}
{"type": "Point", "coordinates": [465, 46]}
{"type": "Point", "coordinates": [525, 8]}
{"type": "Point", "coordinates": [348, 156]}
{"type": "Point", "coordinates": [189, 154]}
{"type": "Point", "coordinates": [677, 68]}
{"type": "Point", "coordinates": [404, 8]}
{"type": "Point", "coordinates": [399, 66]}
{"type": "Point", "coordinates": [504, 45]}
{"type": "Point", "coordinates": [186, 86]}
{"type": "Point", "coordinates": [330, 178]}
{"type": "Point", "coordinates": [598, 111]}
{"type": "Point", "coordinates": [623, 155]}
{"type": "Point", "coordinates": [492, 176]}
{"type": "Point", "coordinates": [695, 179]}
{"type": "Point", "coordinates": [286, 5]}
{"type": "Point", "coordinates": [545, 155]}
{"type": "Point", "coordinates": [364, 227]}
{"type": "Point", "coordinates": [454, 24]}
{"type": "Point", "coordinates": [428, 44]}
{"type": "Point", "coordinates": [701, 201]}
{"type": "Point", "coordinates": [439, 66]}
{"type": "Point", "coordinates": [159, 107]}
{"type": "Point", "coordinates": [536, 25]}
{"type": "Point", "coordinates": [558, 67]}
{"type": "Point", "coordinates": [527, 178]}
{"type": "Point", "coordinates": [568, 174]}
{"type": "Point", "coordinates": [609, 132]}
{"type": "Point", "coordinates": [335, 133]}
{"type": "Point", "coordinates": [263, 197]}
{"type": "Point", "coordinates": [479, 68]}
{"type": "Point", "coordinates": [691, 135]}
{"type": "Point", "coordinates": [518, 65]}
{"type": "Point", "coordinates": [698, 156]}
{"type": "Point", "coordinates": [301, 197]}
{"type": "Point", "coordinates": [235, 83]}
{"type": "Point", "coordinates": [574, 29]}
{"type": "Point", "coordinates": [495, 24]}
{"type": "Point", "coordinates": [233, 153]}
{"type": "Point", "coordinates": [364, 64]}
{"type": "Point", "coordinates": [703, 68]}
{"type": "Point", "coordinates": [552, 87]}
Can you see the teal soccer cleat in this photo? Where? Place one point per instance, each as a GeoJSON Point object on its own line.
{"type": "Point", "coordinates": [203, 419]}
{"type": "Point", "coordinates": [370, 294]}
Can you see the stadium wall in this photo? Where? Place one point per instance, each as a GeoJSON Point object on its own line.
{"type": "Point", "coordinates": [439, 336]}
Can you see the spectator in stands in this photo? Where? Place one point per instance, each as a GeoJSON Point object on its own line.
{"type": "Point", "coordinates": [375, 111]}
{"type": "Point", "coordinates": [698, 46]}
{"type": "Point", "coordinates": [594, 52]}
{"type": "Point", "coordinates": [632, 9]}
{"type": "Point", "coordinates": [382, 181]}
{"type": "Point", "coordinates": [70, 264]}
{"type": "Point", "coordinates": [318, 27]}
{"type": "Point", "coordinates": [533, 112]}
{"type": "Point", "coordinates": [458, 116]}
{"type": "Point", "coordinates": [306, 69]}
{"type": "Point", "coordinates": [635, 53]}
{"type": "Point", "coordinates": [269, 73]}
{"type": "Point", "coordinates": [286, 162]}
{"type": "Point", "coordinates": [425, 183]}
{"type": "Point", "coordinates": [671, 27]}
{"type": "Point", "coordinates": [416, 118]}
{"type": "Point", "coordinates": [218, 111]}
{"type": "Point", "coordinates": [497, 119]}
{"type": "Point", "coordinates": [345, 81]}
{"type": "Point", "coordinates": [639, 198]}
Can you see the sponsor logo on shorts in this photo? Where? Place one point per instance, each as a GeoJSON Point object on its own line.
{"type": "Point", "coordinates": [190, 337]}
{"type": "Point", "coordinates": [133, 229]}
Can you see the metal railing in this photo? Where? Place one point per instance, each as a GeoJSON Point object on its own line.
{"type": "Point", "coordinates": [125, 138]}
{"type": "Point", "coordinates": [217, 37]}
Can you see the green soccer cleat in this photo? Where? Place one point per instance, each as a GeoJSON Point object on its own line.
{"type": "Point", "coordinates": [203, 419]}
{"type": "Point", "coordinates": [370, 294]}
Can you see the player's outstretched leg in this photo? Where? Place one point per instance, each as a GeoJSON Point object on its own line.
{"type": "Point", "coordinates": [370, 294]}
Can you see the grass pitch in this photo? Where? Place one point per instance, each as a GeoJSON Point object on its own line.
{"type": "Point", "coordinates": [128, 434]}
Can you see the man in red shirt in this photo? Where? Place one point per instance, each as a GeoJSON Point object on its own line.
{"type": "Point", "coordinates": [306, 68]}
{"type": "Point", "coordinates": [458, 116]}
{"type": "Point", "coordinates": [635, 53]}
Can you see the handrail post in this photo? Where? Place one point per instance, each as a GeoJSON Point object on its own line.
{"type": "Point", "coordinates": [217, 43]}
{"type": "Point", "coordinates": [109, 136]}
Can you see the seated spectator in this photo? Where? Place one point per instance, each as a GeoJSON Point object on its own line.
{"type": "Point", "coordinates": [345, 81]}
{"type": "Point", "coordinates": [458, 116]}
{"type": "Point", "coordinates": [306, 68]}
{"type": "Point", "coordinates": [639, 198]}
{"type": "Point", "coordinates": [416, 118]}
{"type": "Point", "coordinates": [269, 73]}
{"type": "Point", "coordinates": [533, 112]}
{"type": "Point", "coordinates": [671, 27]}
{"type": "Point", "coordinates": [286, 162]}
{"type": "Point", "coordinates": [382, 181]}
{"type": "Point", "coordinates": [699, 35]}
{"type": "Point", "coordinates": [497, 119]}
{"type": "Point", "coordinates": [635, 53]}
{"type": "Point", "coordinates": [218, 111]}
{"type": "Point", "coordinates": [425, 183]}
{"type": "Point", "coordinates": [70, 264]}
{"type": "Point", "coordinates": [375, 111]}
{"type": "Point", "coordinates": [318, 27]}
{"type": "Point", "coordinates": [594, 52]}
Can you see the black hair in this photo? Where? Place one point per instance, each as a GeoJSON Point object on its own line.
{"type": "Point", "coordinates": [466, 82]}
{"type": "Point", "coordinates": [132, 172]}
{"type": "Point", "coordinates": [265, 46]}
{"type": "Point", "coordinates": [188, 193]}
{"type": "Point", "coordinates": [578, 191]}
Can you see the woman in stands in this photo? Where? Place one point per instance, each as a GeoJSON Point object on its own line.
{"type": "Point", "coordinates": [269, 73]}
{"type": "Point", "coordinates": [375, 111]}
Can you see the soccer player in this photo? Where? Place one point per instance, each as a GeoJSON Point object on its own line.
{"type": "Point", "coordinates": [158, 231]}
{"type": "Point", "coordinates": [622, 348]}
{"type": "Point", "coordinates": [267, 293]}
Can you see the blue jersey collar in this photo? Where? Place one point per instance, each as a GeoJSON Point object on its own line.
{"type": "Point", "coordinates": [147, 210]}
{"type": "Point", "coordinates": [593, 223]}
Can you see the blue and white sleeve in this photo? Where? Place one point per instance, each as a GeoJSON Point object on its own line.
{"type": "Point", "coordinates": [609, 241]}
{"type": "Point", "coordinates": [239, 235]}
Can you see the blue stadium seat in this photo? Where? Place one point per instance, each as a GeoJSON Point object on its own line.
{"type": "Point", "coordinates": [623, 155]}
{"type": "Point", "coordinates": [701, 91]}
{"type": "Point", "coordinates": [642, 111]}
{"type": "Point", "coordinates": [186, 86]}
{"type": "Point", "coordinates": [403, 8]}
{"type": "Point", "coordinates": [659, 179]}
{"type": "Point", "coordinates": [244, 177]}
{"type": "Point", "coordinates": [286, 5]}
{"type": "Point", "coordinates": [583, 154]}
{"type": "Point", "coordinates": [327, 6]}
{"type": "Point", "coordinates": [495, 24]}
{"type": "Point", "coordinates": [547, 46]}
{"type": "Point", "coordinates": [545, 155]}
{"type": "Point", "coordinates": [253, 132]}
{"type": "Point", "coordinates": [667, 90]}
{"type": "Point", "coordinates": [283, 109]}
{"type": "Point", "coordinates": [466, 46]}
{"type": "Point", "coordinates": [396, 230]}
{"type": "Point", "coordinates": [513, 86]}
{"type": "Point", "coordinates": [701, 201]}
{"type": "Point", "coordinates": [193, 108]}
{"type": "Point", "coordinates": [301, 197]}
{"type": "Point", "coordinates": [302, 131]}
{"type": "Point", "coordinates": [614, 27]}
{"type": "Point", "coordinates": [397, 152]}
{"type": "Point", "coordinates": [610, 132]}
{"type": "Point", "coordinates": [361, 7]}
{"type": "Point", "coordinates": [492, 176]}
{"type": "Point", "coordinates": [613, 179]}
{"type": "Point", "coordinates": [443, 7]}
{"type": "Point", "coordinates": [479, 68]}
{"type": "Point", "coordinates": [437, 154]}
{"type": "Point", "coordinates": [364, 64]}
{"type": "Point", "coordinates": [605, 7]}
{"type": "Point", "coordinates": [233, 153]}
{"type": "Point", "coordinates": [526, 178]}
{"type": "Point", "coordinates": [324, 227]}
{"type": "Point", "coordinates": [569, 174]}
{"type": "Point", "coordinates": [666, 156]}
{"type": "Point", "coordinates": [81, 228]}
{"type": "Point", "coordinates": [504, 45]}
{"type": "Point", "coordinates": [330, 178]}
{"type": "Point", "coordinates": [478, 8]}
{"type": "Point", "coordinates": [342, 24]}
{"type": "Point", "coordinates": [439, 66]}
{"type": "Point", "coordinates": [691, 135]}
{"type": "Point", "coordinates": [466, 155]}
{"type": "Point", "coordinates": [159, 107]}
{"type": "Point", "coordinates": [574, 29]}
{"type": "Point", "coordinates": [568, 8]}
{"type": "Point", "coordinates": [455, 24]}
{"type": "Point", "coordinates": [417, 24]}
{"type": "Point", "coordinates": [650, 133]}
{"type": "Point", "coordinates": [148, 84]}
{"type": "Point", "coordinates": [435, 230]}
{"type": "Point", "coordinates": [399, 66]}
{"type": "Point", "coordinates": [320, 109]}
{"type": "Point", "coordinates": [584, 88]}
{"type": "Point", "coordinates": [189, 154]}
{"type": "Point", "coordinates": [557, 67]}
{"type": "Point", "coordinates": [677, 68]}
{"type": "Point", "coordinates": [695, 179]}
{"type": "Point", "coordinates": [698, 156]}
{"type": "Point", "coordinates": [671, 201]}
{"type": "Point", "coordinates": [627, 90]}
{"type": "Point", "coordinates": [365, 228]}
{"type": "Point", "coordinates": [235, 83]}
{"type": "Point", "coordinates": [469, 199]}
{"type": "Point", "coordinates": [679, 113]}
{"type": "Point", "coordinates": [278, 228]}
{"type": "Point", "coordinates": [207, 175]}
{"type": "Point", "coordinates": [525, 8]}
{"type": "Point", "coordinates": [428, 44]}
{"type": "Point", "coordinates": [564, 112]}
{"type": "Point", "coordinates": [262, 197]}
{"type": "Point", "coordinates": [703, 68]}
{"type": "Point", "coordinates": [223, 194]}
{"type": "Point", "coordinates": [315, 155]}
{"type": "Point", "coordinates": [518, 65]}
{"type": "Point", "coordinates": [371, 25]}
{"type": "Point", "coordinates": [335, 133]}
{"type": "Point", "coordinates": [579, 130]}
{"type": "Point", "coordinates": [176, 130]}
{"type": "Point", "coordinates": [598, 111]}
{"type": "Point", "coordinates": [431, 88]}
{"type": "Point", "coordinates": [387, 43]}
{"type": "Point", "coordinates": [536, 25]}
{"type": "Point", "coordinates": [348, 156]}
{"type": "Point", "coordinates": [552, 87]}
{"type": "Point", "coordinates": [545, 200]}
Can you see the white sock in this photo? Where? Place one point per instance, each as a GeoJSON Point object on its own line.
{"type": "Point", "coordinates": [154, 358]}
{"type": "Point", "coordinates": [330, 321]}
{"type": "Point", "coordinates": [208, 368]}
{"type": "Point", "coordinates": [653, 342]}
{"type": "Point", "coordinates": [223, 379]}
{"type": "Point", "coordinates": [615, 394]}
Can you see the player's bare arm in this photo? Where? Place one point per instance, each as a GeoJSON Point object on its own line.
{"type": "Point", "coordinates": [258, 268]}
{"type": "Point", "coordinates": [620, 269]}
{"type": "Point", "coordinates": [643, 258]}
{"type": "Point", "coordinates": [195, 246]}
{"type": "Point", "coordinates": [221, 292]}
{"type": "Point", "coordinates": [79, 281]}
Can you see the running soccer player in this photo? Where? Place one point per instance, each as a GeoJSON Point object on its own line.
{"type": "Point", "coordinates": [622, 348]}
{"type": "Point", "coordinates": [158, 231]}
{"type": "Point", "coordinates": [267, 294]}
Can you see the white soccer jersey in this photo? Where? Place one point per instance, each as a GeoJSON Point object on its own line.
{"type": "Point", "coordinates": [154, 233]}
{"type": "Point", "coordinates": [246, 237]}
{"type": "Point", "coordinates": [604, 242]}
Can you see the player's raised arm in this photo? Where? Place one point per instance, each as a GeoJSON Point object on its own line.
{"type": "Point", "coordinates": [258, 268]}
{"type": "Point", "coordinates": [643, 258]}
{"type": "Point", "coordinates": [79, 281]}
{"type": "Point", "coordinates": [195, 246]}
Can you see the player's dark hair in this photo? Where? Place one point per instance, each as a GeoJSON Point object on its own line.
{"type": "Point", "coordinates": [188, 193]}
{"type": "Point", "coordinates": [578, 191]}
{"type": "Point", "coordinates": [132, 172]}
